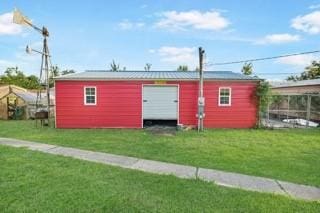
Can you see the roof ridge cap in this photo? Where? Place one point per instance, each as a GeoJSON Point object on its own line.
{"type": "Point", "coordinates": [158, 71]}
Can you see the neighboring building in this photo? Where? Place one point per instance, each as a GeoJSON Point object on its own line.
{"type": "Point", "coordinates": [17, 102]}
{"type": "Point", "coordinates": [104, 99]}
{"type": "Point", "coordinates": [296, 100]}
{"type": "Point", "coordinates": [297, 87]}
{"type": "Point", "coordinates": [14, 102]}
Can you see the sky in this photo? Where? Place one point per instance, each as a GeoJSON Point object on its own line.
{"type": "Point", "coordinates": [86, 35]}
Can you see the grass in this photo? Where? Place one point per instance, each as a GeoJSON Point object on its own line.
{"type": "Point", "coordinates": [36, 182]}
{"type": "Point", "coordinates": [289, 155]}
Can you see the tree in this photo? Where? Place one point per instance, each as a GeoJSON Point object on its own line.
{"type": "Point", "coordinates": [147, 67]}
{"type": "Point", "coordinates": [310, 72]}
{"type": "Point", "coordinates": [11, 72]}
{"type": "Point", "coordinates": [247, 69]}
{"type": "Point", "coordinates": [114, 67]}
{"type": "Point", "coordinates": [183, 68]}
{"type": "Point", "coordinates": [32, 82]}
{"type": "Point", "coordinates": [14, 76]}
{"type": "Point", "coordinates": [292, 78]}
{"type": "Point", "coordinates": [66, 72]}
{"type": "Point", "coordinates": [54, 72]}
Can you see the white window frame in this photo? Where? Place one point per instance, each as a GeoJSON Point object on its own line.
{"type": "Point", "coordinates": [230, 94]}
{"type": "Point", "coordinates": [85, 96]}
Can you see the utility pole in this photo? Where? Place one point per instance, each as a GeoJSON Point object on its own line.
{"type": "Point", "coordinates": [201, 100]}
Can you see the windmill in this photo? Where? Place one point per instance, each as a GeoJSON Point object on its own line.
{"type": "Point", "coordinates": [43, 115]}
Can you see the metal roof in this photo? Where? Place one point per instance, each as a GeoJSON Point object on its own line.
{"type": "Point", "coordinates": [7, 89]}
{"type": "Point", "coordinates": [28, 97]}
{"type": "Point", "coordinates": [297, 83]}
{"type": "Point", "coordinates": [154, 75]}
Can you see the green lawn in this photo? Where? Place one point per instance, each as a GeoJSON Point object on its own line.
{"type": "Point", "coordinates": [36, 182]}
{"type": "Point", "coordinates": [289, 155]}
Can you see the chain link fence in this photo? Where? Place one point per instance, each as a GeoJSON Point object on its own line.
{"type": "Point", "coordinates": [293, 111]}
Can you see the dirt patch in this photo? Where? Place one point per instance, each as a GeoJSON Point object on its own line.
{"type": "Point", "coordinates": [162, 130]}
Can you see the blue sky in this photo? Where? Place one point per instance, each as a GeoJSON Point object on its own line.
{"type": "Point", "coordinates": [89, 34]}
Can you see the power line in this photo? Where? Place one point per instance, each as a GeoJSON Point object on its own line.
{"type": "Point", "coordinates": [283, 73]}
{"type": "Point", "coordinates": [262, 59]}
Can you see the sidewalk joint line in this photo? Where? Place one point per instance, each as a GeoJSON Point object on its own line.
{"type": "Point", "coordinates": [52, 148]}
{"type": "Point", "coordinates": [197, 173]}
{"type": "Point", "coordinates": [281, 187]}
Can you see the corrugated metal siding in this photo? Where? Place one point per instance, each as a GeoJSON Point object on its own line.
{"type": "Point", "coordinates": [243, 110]}
{"type": "Point", "coordinates": [299, 90]}
{"type": "Point", "coordinates": [119, 104]}
{"type": "Point", "coordinates": [188, 97]}
{"type": "Point", "coordinates": [241, 114]}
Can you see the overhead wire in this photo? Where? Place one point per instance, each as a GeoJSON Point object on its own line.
{"type": "Point", "coordinates": [261, 59]}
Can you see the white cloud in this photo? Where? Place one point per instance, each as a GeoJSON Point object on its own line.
{"type": "Point", "coordinates": [279, 39]}
{"type": "Point", "coordinates": [37, 45]}
{"type": "Point", "coordinates": [30, 64]}
{"type": "Point", "coordinates": [128, 25]}
{"type": "Point", "coordinates": [309, 23]}
{"type": "Point", "coordinates": [4, 64]}
{"type": "Point", "coordinates": [298, 60]}
{"type": "Point", "coordinates": [7, 27]}
{"type": "Point", "coordinates": [177, 55]}
{"type": "Point", "coordinates": [23, 57]}
{"type": "Point", "coordinates": [315, 6]}
{"type": "Point", "coordinates": [210, 20]}
{"type": "Point", "coordinates": [143, 6]}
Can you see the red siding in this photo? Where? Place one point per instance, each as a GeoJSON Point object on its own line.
{"type": "Point", "coordinates": [119, 104]}
{"type": "Point", "coordinates": [243, 110]}
{"type": "Point", "coordinates": [241, 114]}
{"type": "Point", "coordinates": [188, 103]}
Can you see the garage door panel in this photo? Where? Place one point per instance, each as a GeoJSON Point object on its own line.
{"type": "Point", "coordinates": [160, 102]}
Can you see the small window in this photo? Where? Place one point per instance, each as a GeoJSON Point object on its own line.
{"type": "Point", "coordinates": [224, 96]}
{"type": "Point", "coordinates": [90, 96]}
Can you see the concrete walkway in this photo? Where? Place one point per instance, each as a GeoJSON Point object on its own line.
{"type": "Point", "coordinates": [218, 177]}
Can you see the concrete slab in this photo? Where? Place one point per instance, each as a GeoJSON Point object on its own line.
{"type": "Point", "coordinates": [98, 157]}
{"type": "Point", "coordinates": [301, 191]}
{"type": "Point", "coordinates": [240, 181]}
{"type": "Point", "coordinates": [115, 160]}
{"type": "Point", "coordinates": [157, 167]}
{"type": "Point", "coordinates": [68, 152]}
{"type": "Point", "coordinates": [26, 144]}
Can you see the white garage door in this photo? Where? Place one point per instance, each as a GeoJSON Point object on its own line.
{"type": "Point", "coordinates": [160, 102]}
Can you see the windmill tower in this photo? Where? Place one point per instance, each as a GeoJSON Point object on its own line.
{"type": "Point", "coordinates": [43, 115]}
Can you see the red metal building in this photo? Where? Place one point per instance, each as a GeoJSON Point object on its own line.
{"type": "Point", "coordinates": [104, 99]}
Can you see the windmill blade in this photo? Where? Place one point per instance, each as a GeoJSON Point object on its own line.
{"type": "Point", "coordinates": [19, 18]}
